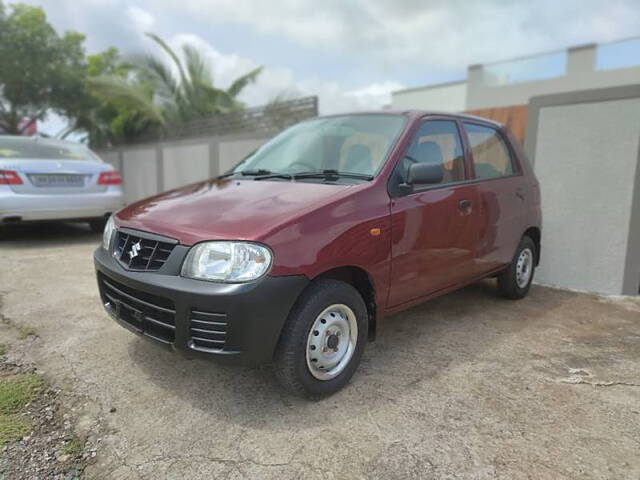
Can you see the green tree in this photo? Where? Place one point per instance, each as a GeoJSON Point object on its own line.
{"type": "Point", "coordinates": [171, 92]}
{"type": "Point", "coordinates": [107, 120]}
{"type": "Point", "coordinates": [40, 70]}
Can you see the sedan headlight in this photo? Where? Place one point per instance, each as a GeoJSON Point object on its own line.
{"type": "Point", "coordinates": [229, 262]}
{"type": "Point", "coordinates": [107, 234]}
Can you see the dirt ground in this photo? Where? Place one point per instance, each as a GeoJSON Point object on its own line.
{"type": "Point", "coordinates": [466, 386]}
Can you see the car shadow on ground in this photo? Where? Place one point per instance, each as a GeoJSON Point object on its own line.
{"type": "Point", "coordinates": [46, 234]}
{"type": "Point", "coordinates": [411, 348]}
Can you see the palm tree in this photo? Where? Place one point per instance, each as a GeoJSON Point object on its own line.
{"type": "Point", "coordinates": [172, 93]}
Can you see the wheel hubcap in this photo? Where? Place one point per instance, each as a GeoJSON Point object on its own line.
{"type": "Point", "coordinates": [331, 341]}
{"type": "Point", "coordinates": [524, 268]}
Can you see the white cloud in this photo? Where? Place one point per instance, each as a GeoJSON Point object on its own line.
{"type": "Point", "coordinates": [281, 82]}
{"type": "Point", "coordinates": [441, 34]}
{"type": "Point", "coordinates": [105, 22]}
{"type": "Point", "coordinates": [419, 38]}
{"type": "Point", "coordinates": [142, 20]}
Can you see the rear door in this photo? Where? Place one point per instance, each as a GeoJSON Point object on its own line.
{"type": "Point", "coordinates": [433, 237]}
{"type": "Point", "coordinates": [502, 206]}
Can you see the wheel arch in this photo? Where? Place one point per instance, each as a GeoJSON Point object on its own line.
{"type": "Point", "coordinates": [363, 283]}
{"type": "Point", "coordinates": [534, 234]}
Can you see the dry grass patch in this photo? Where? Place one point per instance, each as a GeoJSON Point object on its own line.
{"type": "Point", "coordinates": [16, 392]}
{"type": "Point", "coordinates": [73, 447]}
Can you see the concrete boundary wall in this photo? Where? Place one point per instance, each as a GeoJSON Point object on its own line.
{"type": "Point", "coordinates": [448, 97]}
{"type": "Point", "coordinates": [580, 74]}
{"type": "Point", "coordinates": [585, 149]}
{"type": "Point", "coordinates": [150, 168]}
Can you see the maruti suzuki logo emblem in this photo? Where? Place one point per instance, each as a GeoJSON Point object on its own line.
{"type": "Point", "coordinates": [135, 249]}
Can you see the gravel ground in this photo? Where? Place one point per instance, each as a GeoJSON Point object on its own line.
{"type": "Point", "coordinates": [51, 449]}
{"type": "Point", "coordinates": [465, 386]}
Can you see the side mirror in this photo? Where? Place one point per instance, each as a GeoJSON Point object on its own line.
{"type": "Point", "coordinates": [425, 173]}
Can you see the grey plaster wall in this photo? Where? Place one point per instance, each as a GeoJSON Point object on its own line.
{"type": "Point", "coordinates": [232, 151]}
{"type": "Point", "coordinates": [184, 164]}
{"type": "Point", "coordinates": [585, 152]}
{"type": "Point", "coordinates": [139, 172]}
{"type": "Point", "coordinates": [150, 168]}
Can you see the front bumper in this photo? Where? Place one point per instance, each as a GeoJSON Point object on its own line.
{"type": "Point", "coordinates": [28, 207]}
{"type": "Point", "coordinates": [238, 323]}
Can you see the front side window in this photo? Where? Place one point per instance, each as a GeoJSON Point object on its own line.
{"type": "Point", "coordinates": [438, 142]}
{"type": "Point", "coordinates": [349, 143]}
{"type": "Point", "coordinates": [491, 157]}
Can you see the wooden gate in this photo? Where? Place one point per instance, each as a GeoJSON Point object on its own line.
{"type": "Point", "coordinates": [513, 116]}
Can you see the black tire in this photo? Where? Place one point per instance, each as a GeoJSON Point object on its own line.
{"type": "Point", "coordinates": [290, 362]}
{"type": "Point", "coordinates": [507, 281]}
{"type": "Point", "coordinates": [97, 225]}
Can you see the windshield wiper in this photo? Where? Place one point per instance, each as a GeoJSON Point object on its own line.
{"type": "Point", "coordinates": [327, 174]}
{"type": "Point", "coordinates": [330, 174]}
{"type": "Point", "coordinates": [286, 176]}
{"type": "Point", "coordinates": [247, 173]}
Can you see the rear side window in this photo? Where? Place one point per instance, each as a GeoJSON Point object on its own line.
{"type": "Point", "coordinates": [437, 141]}
{"type": "Point", "coordinates": [491, 157]}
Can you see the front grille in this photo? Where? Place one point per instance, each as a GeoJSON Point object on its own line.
{"type": "Point", "coordinates": [139, 253]}
{"type": "Point", "coordinates": [207, 330]}
{"type": "Point", "coordinates": [149, 314]}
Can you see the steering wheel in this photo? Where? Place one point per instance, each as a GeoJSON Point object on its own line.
{"type": "Point", "coordinates": [307, 166]}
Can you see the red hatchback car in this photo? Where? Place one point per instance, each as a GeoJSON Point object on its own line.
{"type": "Point", "coordinates": [293, 255]}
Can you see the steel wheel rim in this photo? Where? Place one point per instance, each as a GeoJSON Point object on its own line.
{"type": "Point", "coordinates": [524, 268]}
{"type": "Point", "coordinates": [331, 342]}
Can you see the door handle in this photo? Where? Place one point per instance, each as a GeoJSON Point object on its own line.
{"type": "Point", "coordinates": [464, 206]}
{"type": "Point", "coordinates": [520, 193]}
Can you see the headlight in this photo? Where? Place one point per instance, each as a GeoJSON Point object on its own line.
{"type": "Point", "coordinates": [230, 262]}
{"type": "Point", "coordinates": [107, 234]}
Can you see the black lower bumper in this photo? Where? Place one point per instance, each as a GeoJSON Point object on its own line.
{"type": "Point", "coordinates": [238, 323]}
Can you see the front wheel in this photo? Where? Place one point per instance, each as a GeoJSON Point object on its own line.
{"type": "Point", "coordinates": [515, 281]}
{"type": "Point", "coordinates": [323, 339]}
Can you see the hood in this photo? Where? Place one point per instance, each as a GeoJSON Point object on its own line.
{"type": "Point", "coordinates": [226, 209]}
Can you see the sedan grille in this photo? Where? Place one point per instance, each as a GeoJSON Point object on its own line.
{"type": "Point", "coordinates": [207, 330]}
{"type": "Point", "coordinates": [136, 252]}
{"type": "Point", "coordinates": [149, 314]}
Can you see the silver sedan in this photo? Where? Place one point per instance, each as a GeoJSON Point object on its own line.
{"type": "Point", "coordinates": [42, 179]}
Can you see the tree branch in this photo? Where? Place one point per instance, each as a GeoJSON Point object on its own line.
{"type": "Point", "coordinates": [32, 119]}
{"type": "Point", "coordinates": [66, 131]}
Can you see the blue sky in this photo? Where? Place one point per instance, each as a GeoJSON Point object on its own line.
{"type": "Point", "coordinates": [350, 53]}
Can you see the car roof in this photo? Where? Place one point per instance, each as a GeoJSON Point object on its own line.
{"type": "Point", "coordinates": [460, 115]}
{"type": "Point", "coordinates": [417, 114]}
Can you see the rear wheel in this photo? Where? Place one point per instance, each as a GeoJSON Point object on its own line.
{"type": "Point", "coordinates": [323, 339]}
{"type": "Point", "coordinates": [97, 225]}
{"type": "Point", "coordinates": [514, 282]}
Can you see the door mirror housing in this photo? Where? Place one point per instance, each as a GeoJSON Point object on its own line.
{"type": "Point", "coordinates": [425, 173]}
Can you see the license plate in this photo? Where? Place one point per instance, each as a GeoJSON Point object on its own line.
{"type": "Point", "coordinates": [57, 180]}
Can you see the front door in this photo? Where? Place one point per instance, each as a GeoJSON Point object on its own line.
{"type": "Point", "coordinates": [433, 228]}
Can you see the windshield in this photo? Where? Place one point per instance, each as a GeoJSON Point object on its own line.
{"type": "Point", "coordinates": [29, 148]}
{"type": "Point", "coordinates": [356, 144]}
